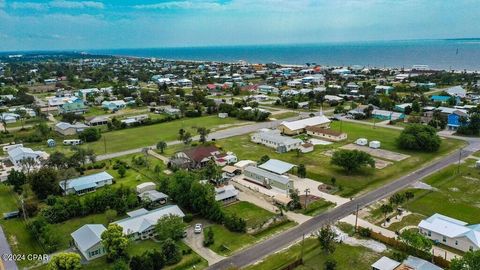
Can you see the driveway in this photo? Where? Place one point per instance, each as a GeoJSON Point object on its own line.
{"type": "Point", "coordinates": [5, 250]}
{"type": "Point", "coordinates": [195, 242]}
{"type": "Point", "coordinates": [303, 183]}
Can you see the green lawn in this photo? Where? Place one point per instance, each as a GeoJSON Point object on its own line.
{"type": "Point", "coordinates": [347, 257]}
{"type": "Point", "coordinates": [458, 195]}
{"type": "Point", "coordinates": [410, 220]}
{"type": "Point", "coordinates": [284, 115]}
{"type": "Point", "coordinates": [252, 214]}
{"type": "Point", "coordinates": [67, 227]}
{"type": "Point", "coordinates": [227, 242]}
{"type": "Point", "coordinates": [319, 167]}
{"type": "Point", "coordinates": [143, 136]}
{"type": "Point", "coordinates": [316, 207]}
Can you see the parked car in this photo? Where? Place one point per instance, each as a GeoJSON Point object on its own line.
{"type": "Point", "coordinates": [198, 228]}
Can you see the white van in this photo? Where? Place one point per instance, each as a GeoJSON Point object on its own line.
{"type": "Point", "coordinates": [72, 142]}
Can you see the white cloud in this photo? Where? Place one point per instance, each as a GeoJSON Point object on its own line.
{"type": "Point", "coordinates": [28, 5]}
{"type": "Point", "coordinates": [181, 5]}
{"type": "Point", "coordinates": [75, 4]}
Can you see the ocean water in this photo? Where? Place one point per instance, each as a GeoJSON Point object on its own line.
{"type": "Point", "coordinates": [458, 54]}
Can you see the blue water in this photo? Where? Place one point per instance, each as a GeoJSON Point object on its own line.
{"type": "Point", "coordinates": [439, 54]}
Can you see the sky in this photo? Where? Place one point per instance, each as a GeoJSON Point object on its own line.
{"type": "Point", "coordinates": [108, 24]}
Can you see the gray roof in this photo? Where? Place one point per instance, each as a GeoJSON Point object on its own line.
{"type": "Point", "coordinates": [87, 181]}
{"type": "Point", "coordinates": [64, 125]}
{"type": "Point", "coordinates": [225, 192]}
{"type": "Point", "coordinates": [275, 136]}
{"type": "Point", "coordinates": [266, 174]}
{"type": "Point", "coordinates": [88, 235]}
{"type": "Point", "coordinates": [420, 264]}
{"type": "Point", "coordinates": [277, 166]}
{"type": "Point", "coordinates": [385, 263]}
{"type": "Point", "coordinates": [153, 195]}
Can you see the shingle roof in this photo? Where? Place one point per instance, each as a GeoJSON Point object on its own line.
{"type": "Point", "coordinates": [200, 152]}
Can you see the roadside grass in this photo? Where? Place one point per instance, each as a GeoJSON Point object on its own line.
{"type": "Point", "coordinates": [410, 220]}
{"type": "Point", "coordinates": [318, 165]}
{"type": "Point", "coordinates": [20, 240]}
{"type": "Point", "coordinates": [284, 115]}
{"type": "Point", "coordinates": [457, 195]}
{"type": "Point", "coordinates": [316, 207]}
{"type": "Point", "coordinates": [137, 137]}
{"type": "Point", "coordinates": [67, 227]}
{"type": "Point", "coordinates": [347, 257]}
{"type": "Point", "coordinates": [227, 242]}
{"type": "Point", "coordinates": [252, 214]}
{"type": "Point", "coordinates": [27, 122]}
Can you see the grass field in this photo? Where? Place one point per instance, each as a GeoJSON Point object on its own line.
{"type": "Point", "coordinates": [458, 195]}
{"type": "Point", "coordinates": [252, 214]}
{"type": "Point", "coordinates": [284, 115]}
{"type": "Point", "coordinates": [137, 137]}
{"type": "Point", "coordinates": [410, 220]}
{"type": "Point", "coordinates": [319, 167]}
{"type": "Point", "coordinates": [316, 207]}
{"type": "Point", "coordinates": [227, 242]}
{"type": "Point", "coordinates": [347, 257]}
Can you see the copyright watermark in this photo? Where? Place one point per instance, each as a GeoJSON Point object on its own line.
{"type": "Point", "coordinates": [24, 257]}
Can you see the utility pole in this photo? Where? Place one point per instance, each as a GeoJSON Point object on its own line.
{"type": "Point", "coordinates": [459, 160]}
{"type": "Point", "coordinates": [307, 192]}
{"type": "Point", "coordinates": [356, 218]}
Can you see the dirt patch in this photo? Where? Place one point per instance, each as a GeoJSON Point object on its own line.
{"type": "Point", "coordinates": [379, 163]}
{"type": "Point", "coordinates": [380, 153]}
{"type": "Point", "coordinates": [311, 198]}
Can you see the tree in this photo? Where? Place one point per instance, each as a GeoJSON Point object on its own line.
{"type": "Point", "coordinates": [409, 195]}
{"type": "Point", "coordinates": [161, 145]}
{"type": "Point", "coordinates": [209, 237]}
{"type": "Point", "coordinates": [90, 135]}
{"type": "Point", "coordinates": [110, 214]}
{"type": "Point", "coordinates": [65, 261]}
{"type": "Point", "coordinates": [203, 132]}
{"type": "Point", "coordinates": [416, 240]}
{"type": "Point", "coordinates": [419, 138]}
{"type": "Point", "coordinates": [171, 252]}
{"type": "Point", "coordinates": [187, 138]}
{"type": "Point", "coordinates": [263, 159]}
{"type": "Point", "coordinates": [302, 171]}
{"type": "Point", "coordinates": [385, 209]}
{"type": "Point", "coordinates": [170, 226]}
{"type": "Point", "coordinates": [330, 264]}
{"type": "Point", "coordinates": [115, 242]}
{"type": "Point", "coordinates": [28, 164]}
{"type": "Point", "coordinates": [469, 261]}
{"type": "Point", "coordinates": [17, 179]}
{"type": "Point", "coordinates": [122, 171]}
{"type": "Point", "coordinates": [352, 160]}
{"type": "Point", "coordinates": [326, 237]}
{"type": "Point", "coordinates": [143, 262]}
{"type": "Point", "coordinates": [44, 182]}
{"type": "Point", "coordinates": [58, 160]}
{"type": "Point", "coordinates": [295, 203]}
{"type": "Point", "coordinates": [397, 199]}
{"type": "Point", "coordinates": [333, 180]}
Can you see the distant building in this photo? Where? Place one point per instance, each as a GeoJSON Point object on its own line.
{"type": "Point", "coordinates": [67, 129]}
{"type": "Point", "coordinates": [88, 240]}
{"type": "Point", "coordinates": [411, 263]}
{"type": "Point", "coordinates": [19, 153]}
{"type": "Point", "coordinates": [327, 134]}
{"type": "Point", "coordinates": [114, 105]}
{"type": "Point", "coordinates": [298, 126]}
{"type": "Point", "coordinates": [147, 192]}
{"type": "Point", "coordinates": [387, 115]}
{"type": "Point", "coordinates": [77, 107]}
{"type": "Point", "coordinates": [454, 120]}
{"type": "Point", "coordinates": [86, 183]}
{"type": "Point", "coordinates": [383, 89]}
{"type": "Point", "coordinates": [273, 139]}
{"type": "Point", "coordinates": [456, 91]}
{"type": "Point", "coordinates": [98, 121]}
{"type": "Point", "coordinates": [268, 179]}
{"type": "Point", "coordinates": [195, 157]}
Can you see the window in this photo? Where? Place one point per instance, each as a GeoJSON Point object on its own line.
{"type": "Point", "coordinates": [456, 242]}
{"type": "Point", "coordinates": [470, 248]}
{"type": "Point", "coordinates": [444, 239]}
{"type": "Point", "coordinates": [429, 233]}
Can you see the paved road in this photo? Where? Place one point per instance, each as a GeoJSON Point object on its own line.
{"type": "Point", "coordinates": [272, 245]}
{"type": "Point", "coordinates": [5, 249]}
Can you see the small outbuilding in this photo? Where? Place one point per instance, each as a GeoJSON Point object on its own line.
{"type": "Point", "coordinates": [361, 141]}
{"type": "Point", "coordinates": [374, 144]}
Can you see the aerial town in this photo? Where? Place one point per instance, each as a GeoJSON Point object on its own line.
{"type": "Point", "coordinates": [113, 162]}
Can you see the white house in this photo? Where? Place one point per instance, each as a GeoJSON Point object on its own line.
{"type": "Point", "coordinates": [88, 240]}
{"type": "Point", "coordinates": [451, 232]}
{"type": "Point", "coordinates": [19, 153]}
{"type": "Point", "coordinates": [273, 139]}
{"type": "Point", "coordinates": [142, 225]}
{"type": "Point", "coordinates": [226, 194]}
{"type": "Point", "coordinates": [86, 183]}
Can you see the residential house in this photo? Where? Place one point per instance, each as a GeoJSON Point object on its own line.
{"type": "Point", "coordinates": [195, 157]}
{"type": "Point", "coordinates": [268, 179]}
{"type": "Point", "coordinates": [267, 89]}
{"type": "Point", "coordinates": [383, 89]}
{"type": "Point", "coordinates": [387, 115]}
{"type": "Point", "coordinates": [148, 192]}
{"type": "Point", "coordinates": [401, 107]}
{"type": "Point", "coordinates": [456, 91]}
{"type": "Point", "coordinates": [67, 129]}
{"type": "Point", "coordinates": [135, 119]}
{"type": "Point", "coordinates": [98, 121]}
{"type": "Point", "coordinates": [77, 107]}
{"type": "Point", "coordinates": [226, 194]}
{"type": "Point", "coordinates": [444, 99]}
{"type": "Point", "coordinates": [454, 120]}
{"type": "Point", "coordinates": [451, 232]}
{"type": "Point", "coordinates": [184, 83]}
{"type": "Point", "coordinates": [327, 134]}
{"type": "Point", "coordinates": [114, 105]}
{"type": "Point", "coordinates": [410, 263]}
{"type": "Point", "coordinates": [87, 183]}
{"type": "Point", "coordinates": [18, 153]}
{"type": "Point", "coordinates": [273, 139]}
{"type": "Point", "coordinates": [141, 224]}
{"type": "Point", "coordinates": [298, 126]}
{"type": "Point", "coordinates": [88, 240]}
{"type": "Point", "coordinates": [9, 117]}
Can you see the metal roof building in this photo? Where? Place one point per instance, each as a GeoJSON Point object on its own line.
{"type": "Point", "coordinates": [277, 166]}
{"type": "Point", "coordinates": [86, 183]}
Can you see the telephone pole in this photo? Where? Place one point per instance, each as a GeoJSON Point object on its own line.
{"type": "Point", "coordinates": [307, 192]}
{"type": "Point", "coordinates": [356, 218]}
